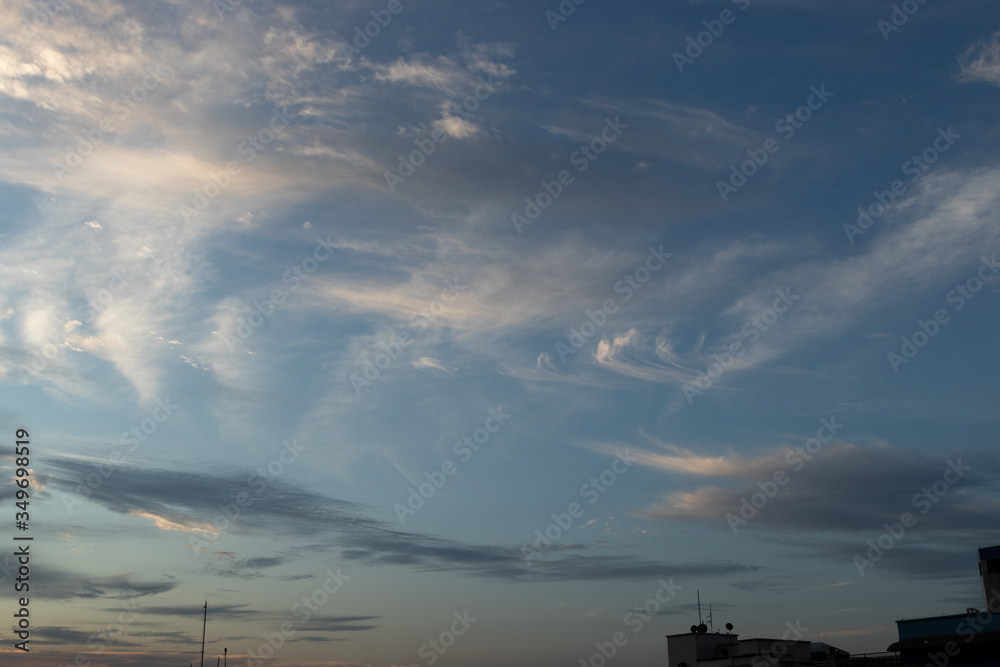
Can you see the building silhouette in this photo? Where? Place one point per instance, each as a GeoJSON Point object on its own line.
{"type": "Point", "coordinates": [971, 639]}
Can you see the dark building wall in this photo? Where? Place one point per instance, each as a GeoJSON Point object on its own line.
{"type": "Point", "coordinates": [989, 572]}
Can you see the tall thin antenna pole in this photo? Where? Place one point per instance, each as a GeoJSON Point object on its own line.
{"type": "Point", "coordinates": [711, 625]}
{"type": "Point", "coordinates": [224, 659]}
{"type": "Point", "coordinates": [699, 607]}
{"type": "Point", "coordinates": [204, 623]}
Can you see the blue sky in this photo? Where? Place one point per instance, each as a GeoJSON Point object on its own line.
{"type": "Point", "coordinates": [491, 315]}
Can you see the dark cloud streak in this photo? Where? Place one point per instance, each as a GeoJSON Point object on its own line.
{"type": "Point", "coordinates": [186, 498]}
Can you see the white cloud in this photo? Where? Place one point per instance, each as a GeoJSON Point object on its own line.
{"type": "Point", "coordinates": [428, 362]}
{"type": "Point", "coordinates": [441, 73]}
{"type": "Point", "coordinates": [981, 61]}
{"type": "Point", "coordinates": [456, 127]}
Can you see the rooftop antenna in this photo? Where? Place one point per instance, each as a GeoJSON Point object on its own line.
{"type": "Point", "coordinates": [204, 623]}
{"type": "Point", "coordinates": [699, 607]}
{"type": "Point", "coordinates": [712, 627]}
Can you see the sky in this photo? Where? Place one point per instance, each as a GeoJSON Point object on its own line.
{"type": "Point", "coordinates": [424, 332]}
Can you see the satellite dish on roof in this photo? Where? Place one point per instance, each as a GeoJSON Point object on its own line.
{"type": "Point", "coordinates": [729, 626]}
{"type": "Point", "coordinates": [694, 629]}
{"type": "Point", "coordinates": [702, 628]}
